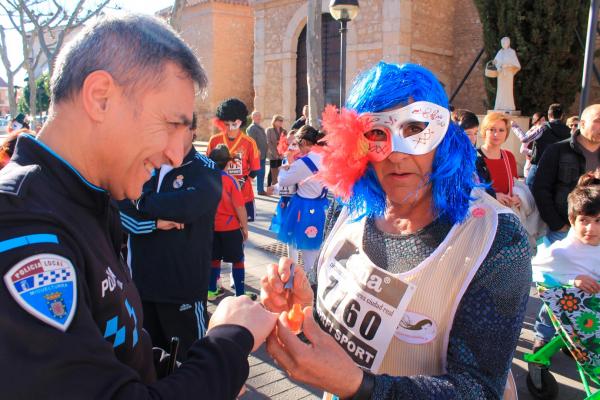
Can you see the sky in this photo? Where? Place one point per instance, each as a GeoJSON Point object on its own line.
{"type": "Point", "coordinates": [13, 40]}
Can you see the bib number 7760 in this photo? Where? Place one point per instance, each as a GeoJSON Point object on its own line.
{"type": "Point", "coordinates": [369, 323]}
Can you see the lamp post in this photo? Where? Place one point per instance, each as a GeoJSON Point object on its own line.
{"type": "Point", "coordinates": [343, 11]}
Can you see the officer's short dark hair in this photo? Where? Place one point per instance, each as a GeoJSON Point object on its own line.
{"type": "Point", "coordinates": [133, 49]}
{"type": "Point", "coordinates": [555, 111]}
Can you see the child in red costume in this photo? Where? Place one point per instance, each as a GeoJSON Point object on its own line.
{"type": "Point", "coordinates": [245, 163]}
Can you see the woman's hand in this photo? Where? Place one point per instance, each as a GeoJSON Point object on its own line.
{"type": "Point", "coordinates": [270, 190]}
{"type": "Point", "coordinates": [322, 363]}
{"type": "Point", "coordinates": [504, 199]}
{"type": "Point", "coordinates": [272, 293]}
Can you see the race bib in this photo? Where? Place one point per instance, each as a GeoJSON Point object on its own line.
{"type": "Point", "coordinates": [234, 167]}
{"type": "Point", "coordinates": [360, 305]}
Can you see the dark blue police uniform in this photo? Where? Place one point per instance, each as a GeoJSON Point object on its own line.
{"type": "Point", "coordinates": [71, 321]}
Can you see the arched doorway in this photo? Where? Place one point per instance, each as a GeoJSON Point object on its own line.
{"type": "Point", "coordinates": [330, 48]}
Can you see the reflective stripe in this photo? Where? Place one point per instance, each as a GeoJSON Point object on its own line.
{"type": "Point", "coordinates": [27, 240]}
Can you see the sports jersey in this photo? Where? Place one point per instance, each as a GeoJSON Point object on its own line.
{"type": "Point", "coordinates": [245, 159]}
{"type": "Point", "coordinates": [226, 217]}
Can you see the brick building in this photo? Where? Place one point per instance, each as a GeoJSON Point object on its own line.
{"type": "Point", "coordinates": [254, 49]}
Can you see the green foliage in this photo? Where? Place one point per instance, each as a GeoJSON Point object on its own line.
{"type": "Point", "coordinates": [543, 34]}
{"type": "Point", "coordinates": [42, 96]}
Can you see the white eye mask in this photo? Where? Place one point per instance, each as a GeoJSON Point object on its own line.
{"type": "Point", "coordinates": [415, 129]}
{"type": "Point", "coordinates": [233, 126]}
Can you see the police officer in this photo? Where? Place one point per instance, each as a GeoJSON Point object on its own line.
{"type": "Point", "coordinates": [72, 318]}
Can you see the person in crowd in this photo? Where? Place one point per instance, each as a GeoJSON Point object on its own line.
{"type": "Point", "coordinates": [527, 138]}
{"type": "Point", "coordinates": [289, 148]}
{"type": "Point", "coordinates": [495, 165]}
{"type": "Point", "coordinates": [274, 135]}
{"type": "Point", "coordinates": [257, 132]}
{"type": "Point", "coordinates": [548, 133]}
{"type": "Point", "coordinates": [573, 123]}
{"type": "Point", "coordinates": [574, 260]}
{"type": "Point", "coordinates": [245, 158]}
{"type": "Point", "coordinates": [18, 123]}
{"type": "Point", "coordinates": [122, 96]}
{"type": "Point", "coordinates": [301, 121]}
{"type": "Point", "coordinates": [469, 122]}
{"type": "Point", "coordinates": [562, 167]}
{"type": "Point", "coordinates": [231, 228]}
{"type": "Point", "coordinates": [559, 170]}
{"type": "Point", "coordinates": [8, 145]}
{"type": "Point", "coordinates": [401, 283]}
{"type": "Point", "coordinates": [170, 231]}
{"type": "Point", "coordinates": [302, 227]}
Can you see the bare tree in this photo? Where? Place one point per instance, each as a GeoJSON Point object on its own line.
{"type": "Point", "coordinates": [44, 20]}
{"type": "Point", "coordinates": [314, 67]}
{"type": "Point", "coordinates": [10, 73]}
{"type": "Point", "coordinates": [57, 23]}
{"type": "Point", "coordinates": [176, 14]}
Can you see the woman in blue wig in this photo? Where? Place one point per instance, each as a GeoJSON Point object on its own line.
{"type": "Point", "coordinates": [423, 281]}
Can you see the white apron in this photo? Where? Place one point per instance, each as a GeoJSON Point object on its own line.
{"type": "Point", "coordinates": [391, 323]}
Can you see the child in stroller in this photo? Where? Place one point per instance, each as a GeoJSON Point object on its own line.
{"type": "Point", "coordinates": [567, 273]}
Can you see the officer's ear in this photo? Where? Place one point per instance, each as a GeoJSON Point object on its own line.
{"type": "Point", "coordinates": [98, 87]}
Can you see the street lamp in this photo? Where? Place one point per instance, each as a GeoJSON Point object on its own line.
{"type": "Point", "coordinates": [343, 11]}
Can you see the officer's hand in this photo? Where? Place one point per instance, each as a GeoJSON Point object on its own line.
{"type": "Point", "coordinates": [244, 312]}
{"type": "Point", "coordinates": [277, 299]}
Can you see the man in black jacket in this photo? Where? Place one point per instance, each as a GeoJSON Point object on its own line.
{"type": "Point", "coordinates": [72, 319]}
{"type": "Point", "coordinates": [552, 132]}
{"type": "Point", "coordinates": [559, 169]}
{"type": "Point", "coordinates": [170, 259]}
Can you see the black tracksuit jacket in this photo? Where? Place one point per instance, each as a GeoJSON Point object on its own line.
{"type": "Point", "coordinates": [46, 207]}
{"type": "Point", "coordinates": [173, 266]}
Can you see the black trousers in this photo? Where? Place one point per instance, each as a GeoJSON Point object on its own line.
{"type": "Point", "coordinates": [188, 322]}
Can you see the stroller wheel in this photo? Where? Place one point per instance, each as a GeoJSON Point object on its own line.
{"type": "Point", "coordinates": [541, 383]}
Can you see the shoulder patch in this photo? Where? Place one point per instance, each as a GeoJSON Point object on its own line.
{"type": "Point", "coordinates": [45, 286]}
{"type": "Point", "coordinates": [13, 178]}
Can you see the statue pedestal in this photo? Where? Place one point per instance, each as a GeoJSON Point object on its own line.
{"type": "Point", "coordinates": [513, 144]}
{"type": "Point", "coordinates": [515, 113]}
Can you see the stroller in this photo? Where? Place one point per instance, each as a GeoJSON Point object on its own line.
{"type": "Point", "coordinates": [576, 317]}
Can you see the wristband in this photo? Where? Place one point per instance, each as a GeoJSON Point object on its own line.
{"type": "Point", "coordinates": [365, 390]}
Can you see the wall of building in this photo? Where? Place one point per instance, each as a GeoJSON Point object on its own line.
{"type": "Point", "coordinates": [221, 35]}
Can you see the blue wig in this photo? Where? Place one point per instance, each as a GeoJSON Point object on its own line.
{"type": "Point", "coordinates": [453, 173]}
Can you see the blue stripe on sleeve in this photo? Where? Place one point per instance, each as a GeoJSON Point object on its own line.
{"type": "Point", "coordinates": [21, 241]}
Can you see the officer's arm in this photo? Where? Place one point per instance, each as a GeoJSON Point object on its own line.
{"type": "Point", "coordinates": [53, 346]}
{"type": "Point", "coordinates": [184, 206]}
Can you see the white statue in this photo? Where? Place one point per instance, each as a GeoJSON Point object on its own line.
{"type": "Point", "coordinates": [508, 65]}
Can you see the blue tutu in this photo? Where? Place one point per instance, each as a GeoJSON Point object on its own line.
{"type": "Point", "coordinates": [303, 223]}
{"type": "Point", "coordinates": [280, 213]}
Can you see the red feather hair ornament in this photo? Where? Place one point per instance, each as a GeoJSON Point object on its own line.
{"type": "Point", "coordinates": [220, 125]}
{"type": "Point", "coordinates": [344, 157]}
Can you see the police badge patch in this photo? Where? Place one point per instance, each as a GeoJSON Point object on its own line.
{"type": "Point", "coordinates": [46, 287]}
